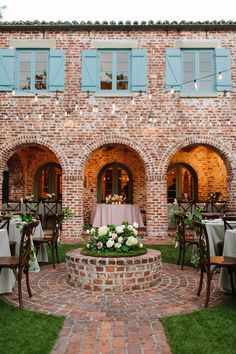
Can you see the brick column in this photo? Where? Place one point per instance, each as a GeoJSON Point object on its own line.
{"type": "Point", "coordinates": [157, 215]}
{"type": "Point", "coordinates": [72, 197]}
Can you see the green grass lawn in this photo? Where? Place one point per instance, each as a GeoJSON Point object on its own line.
{"type": "Point", "coordinates": [209, 331]}
{"type": "Point", "coordinates": [26, 332]}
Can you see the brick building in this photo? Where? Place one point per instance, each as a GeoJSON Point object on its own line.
{"type": "Point", "coordinates": [90, 108]}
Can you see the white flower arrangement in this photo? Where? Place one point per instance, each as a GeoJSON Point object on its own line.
{"type": "Point", "coordinates": [115, 199]}
{"type": "Point", "coordinates": [122, 238]}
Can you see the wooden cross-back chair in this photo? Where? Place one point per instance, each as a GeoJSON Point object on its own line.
{"type": "Point", "coordinates": [209, 264]}
{"type": "Point", "coordinates": [20, 264]}
{"type": "Point", "coordinates": [5, 224]}
{"type": "Point", "coordinates": [14, 205]}
{"type": "Point", "coordinates": [51, 210]}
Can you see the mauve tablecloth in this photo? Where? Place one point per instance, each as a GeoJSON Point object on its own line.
{"type": "Point", "coordinates": [104, 214]}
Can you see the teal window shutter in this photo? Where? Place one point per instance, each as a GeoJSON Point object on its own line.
{"type": "Point", "coordinates": [7, 63]}
{"type": "Point", "coordinates": [223, 66]}
{"type": "Point", "coordinates": [56, 70]}
{"type": "Point", "coordinates": [173, 68]}
{"type": "Point", "coordinates": [89, 71]}
{"type": "Point", "coordinates": [139, 70]}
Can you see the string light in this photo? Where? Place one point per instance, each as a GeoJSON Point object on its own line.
{"type": "Point", "coordinates": [13, 92]}
{"type": "Point", "coordinates": [172, 91]}
{"type": "Point", "coordinates": [76, 106]}
{"type": "Point", "coordinates": [220, 76]}
{"type": "Point", "coordinates": [195, 84]}
{"type": "Point", "coordinates": [36, 97]}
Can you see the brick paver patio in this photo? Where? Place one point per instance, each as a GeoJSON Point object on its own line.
{"type": "Point", "coordinates": [126, 323]}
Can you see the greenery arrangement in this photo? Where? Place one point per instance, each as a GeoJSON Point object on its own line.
{"type": "Point", "coordinates": [112, 240]}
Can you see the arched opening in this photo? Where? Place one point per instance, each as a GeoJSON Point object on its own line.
{"type": "Point", "coordinates": [182, 182]}
{"type": "Point", "coordinates": [114, 168]}
{"type": "Point", "coordinates": [115, 178]}
{"type": "Point", "coordinates": [199, 173]}
{"type": "Point", "coordinates": [26, 162]}
{"type": "Point", "coordinates": [48, 180]}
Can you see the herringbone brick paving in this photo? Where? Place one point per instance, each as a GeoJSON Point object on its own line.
{"type": "Point", "coordinates": [126, 323]}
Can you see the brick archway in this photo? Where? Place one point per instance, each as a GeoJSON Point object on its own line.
{"type": "Point", "coordinates": [7, 149]}
{"type": "Point", "coordinates": [143, 154]}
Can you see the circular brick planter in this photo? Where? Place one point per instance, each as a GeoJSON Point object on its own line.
{"type": "Point", "coordinates": [113, 274]}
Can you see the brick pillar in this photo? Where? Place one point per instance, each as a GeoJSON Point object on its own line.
{"type": "Point", "coordinates": [72, 197]}
{"type": "Point", "coordinates": [157, 215]}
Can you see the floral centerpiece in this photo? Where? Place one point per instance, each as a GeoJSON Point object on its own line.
{"type": "Point", "coordinates": [115, 199]}
{"type": "Point", "coordinates": [28, 198]}
{"type": "Point", "coordinates": [50, 197]}
{"type": "Point", "coordinates": [113, 240]}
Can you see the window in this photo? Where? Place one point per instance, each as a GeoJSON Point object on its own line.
{"type": "Point", "coordinates": [32, 70]}
{"type": "Point", "coordinates": [114, 71]}
{"type": "Point", "coordinates": [48, 179]}
{"type": "Point", "coordinates": [197, 64]}
{"type": "Point", "coordinates": [183, 66]}
{"type": "Point", "coordinates": [115, 178]}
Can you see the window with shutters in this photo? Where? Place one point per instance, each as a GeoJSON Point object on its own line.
{"type": "Point", "coordinates": [198, 71]}
{"type": "Point", "coordinates": [114, 71]}
{"type": "Point", "coordinates": [32, 70]}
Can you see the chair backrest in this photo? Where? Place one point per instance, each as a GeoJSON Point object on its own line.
{"type": "Point", "coordinates": [203, 243]}
{"type": "Point", "coordinates": [227, 220]}
{"type": "Point", "coordinates": [185, 206]}
{"type": "Point", "coordinates": [180, 225]}
{"type": "Point", "coordinates": [26, 244]}
{"type": "Point", "coordinates": [5, 222]}
{"type": "Point", "coordinates": [14, 205]}
{"type": "Point", "coordinates": [32, 206]}
{"type": "Point", "coordinates": [50, 208]}
{"type": "Point", "coordinates": [212, 215]}
{"type": "Point", "coordinates": [201, 205]}
{"type": "Point", "coordinates": [56, 232]}
{"type": "Point", "coordinates": [218, 206]}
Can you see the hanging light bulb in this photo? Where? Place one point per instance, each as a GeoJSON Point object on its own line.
{"type": "Point", "coordinates": [141, 118]}
{"type": "Point", "coordinates": [150, 119]}
{"type": "Point", "coordinates": [168, 121]}
{"type": "Point", "coordinates": [36, 97]}
{"type": "Point", "coordinates": [126, 115]}
{"type": "Point", "coordinates": [220, 76]}
{"type": "Point", "coordinates": [172, 91]}
{"type": "Point", "coordinates": [195, 84]}
{"type": "Point", "coordinates": [13, 92]}
{"type": "Point", "coordinates": [17, 117]}
{"type": "Point", "coordinates": [200, 122]}
{"type": "Point", "coordinates": [53, 115]}
{"type": "Point", "coordinates": [40, 116]}
{"type": "Point", "coordinates": [76, 106]}
{"type": "Point", "coordinates": [132, 101]}
{"type": "Point", "coordinates": [229, 123]}
{"type": "Point", "coordinates": [27, 116]}
{"type": "Point", "coordinates": [57, 101]}
{"type": "Point", "coordinates": [210, 123]}
{"type": "Point", "coordinates": [154, 120]}
{"type": "Point", "coordinates": [81, 112]}
{"type": "Point", "coordinates": [150, 96]}
{"type": "Point", "coordinates": [179, 122]}
{"type": "Point", "coordinates": [113, 106]}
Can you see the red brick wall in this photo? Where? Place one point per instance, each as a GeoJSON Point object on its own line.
{"type": "Point", "coordinates": [74, 140]}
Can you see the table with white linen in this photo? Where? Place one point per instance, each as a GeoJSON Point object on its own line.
{"type": "Point", "coordinates": [216, 233]}
{"type": "Point", "coordinates": [229, 250]}
{"type": "Point", "coordinates": [7, 279]}
{"type": "Point", "coordinates": [104, 214]}
{"type": "Point", "coordinates": [15, 235]}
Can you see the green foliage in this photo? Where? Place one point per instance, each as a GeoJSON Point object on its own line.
{"type": "Point", "coordinates": [115, 254]}
{"type": "Point", "coordinates": [67, 213]}
{"type": "Point", "coordinates": [209, 331]}
{"type": "Point", "coordinates": [26, 332]}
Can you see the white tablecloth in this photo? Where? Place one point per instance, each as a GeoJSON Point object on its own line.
{"type": "Point", "coordinates": [104, 214]}
{"type": "Point", "coordinates": [229, 251]}
{"type": "Point", "coordinates": [216, 234]}
{"type": "Point", "coordinates": [7, 279]}
{"type": "Point", "coordinates": [14, 235]}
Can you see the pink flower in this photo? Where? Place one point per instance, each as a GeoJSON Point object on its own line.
{"type": "Point", "coordinates": [99, 245]}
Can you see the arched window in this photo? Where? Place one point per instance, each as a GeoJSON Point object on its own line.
{"type": "Point", "coordinates": [48, 179]}
{"type": "Point", "coordinates": [115, 178]}
{"type": "Point", "coordinates": [182, 182]}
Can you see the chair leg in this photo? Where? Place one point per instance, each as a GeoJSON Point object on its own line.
{"type": "Point", "coordinates": [180, 251]}
{"type": "Point", "coordinates": [183, 258]}
{"type": "Point", "coordinates": [53, 257]}
{"type": "Point", "coordinates": [19, 278]}
{"type": "Point", "coordinates": [208, 290]}
{"type": "Point", "coordinates": [200, 283]}
{"type": "Point", "coordinates": [27, 282]}
{"type": "Point", "coordinates": [57, 255]}
{"type": "Point", "coordinates": [231, 279]}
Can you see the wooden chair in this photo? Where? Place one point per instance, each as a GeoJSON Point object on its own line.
{"type": "Point", "coordinates": [50, 212]}
{"type": "Point", "coordinates": [227, 219]}
{"type": "Point", "coordinates": [51, 240]}
{"type": "Point", "coordinates": [4, 224]}
{"type": "Point", "coordinates": [20, 265]}
{"type": "Point", "coordinates": [211, 216]}
{"type": "Point", "coordinates": [32, 207]}
{"type": "Point", "coordinates": [13, 205]}
{"type": "Point", "coordinates": [182, 239]}
{"type": "Point", "coordinates": [209, 264]}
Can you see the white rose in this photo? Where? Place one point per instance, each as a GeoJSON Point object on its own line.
{"type": "Point", "coordinates": [88, 245]}
{"type": "Point", "coordinates": [113, 236]}
{"type": "Point", "coordinates": [140, 245]}
{"type": "Point", "coordinates": [131, 241]}
{"type": "Point", "coordinates": [120, 239]}
{"type": "Point", "coordinates": [102, 231]}
{"type": "Point", "coordinates": [87, 232]}
{"type": "Point", "coordinates": [135, 225]}
{"type": "Point", "coordinates": [119, 229]}
{"type": "Point", "coordinates": [130, 227]}
{"type": "Point", "coordinates": [135, 232]}
{"type": "Point", "coordinates": [110, 243]}
{"type": "Point", "coordinates": [117, 245]}
{"type": "Point", "coordinates": [123, 227]}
